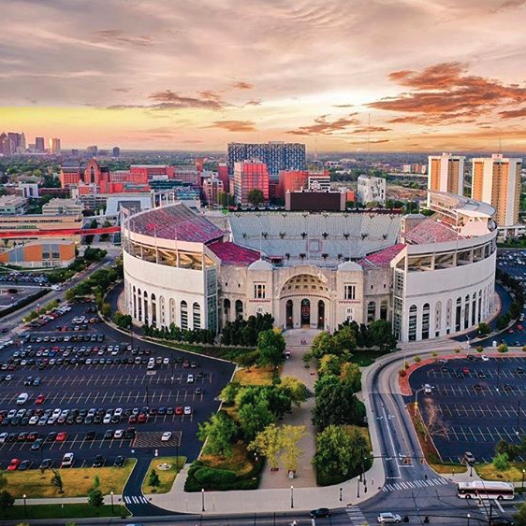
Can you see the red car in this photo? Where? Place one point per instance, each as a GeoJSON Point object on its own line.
{"type": "Point", "coordinates": [179, 410]}
{"type": "Point", "coordinates": [465, 370]}
{"type": "Point", "coordinates": [132, 419]}
{"type": "Point", "coordinates": [40, 399]}
{"type": "Point", "coordinates": [142, 418]}
{"type": "Point", "coordinates": [13, 466]}
{"type": "Point", "coordinates": [61, 437]}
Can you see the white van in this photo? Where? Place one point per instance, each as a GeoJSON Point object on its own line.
{"type": "Point", "coordinates": [151, 364]}
{"type": "Point", "coordinates": [22, 398]}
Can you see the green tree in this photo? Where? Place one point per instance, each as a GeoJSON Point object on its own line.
{"type": "Point", "coordinates": [219, 432]}
{"type": "Point", "coordinates": [96, 482]}
{"type": "Point", "coordinates": [329, 364]}
{"type": "Point", "coordinates": [271, 347]}
{"type": "Point", "coordinates": [153, 480]}
{"type": "Point", "coordinates": [6, 500]}
{"type": "Point", "coordinates": [338, 454]}
{"type": "Point", "coordinates": [501, 462]}
{"type": "Point", "coordinates": [483, 328]}
{"type": "Point", "coordinates": [381, 335]}
{"type": "Point", "coordinates": [229, 392]}
{"type": "Point", "coordinates": [290, 438]}
{"type": "Point", "coordinates": [351, 375]}
{"type": "Point", "coordinates": [345, 339]}
{"type": "Point", "coordinates": [256, 197]}
{"type": "Point", "coordinates": [268, 443]}
{"type": "Point", "coordinates": [3, 480]}
{"type": "Point", "coordinates": [520, 517]}
{"type": "Point", "coordinates": [296, 390]}
{"type": "Point", "coordinates": [254, 418]}
{"type": "Point", "coordinates": [106, 310]}
{"type": "Point", "coordinates": [96, 498]}
{"type": "Point", "coordinates": [56, 481]}
{"type": "Point", "coordinates": [323, 344]}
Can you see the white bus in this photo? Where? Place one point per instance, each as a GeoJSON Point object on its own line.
{"type": "Point", "coordinates": [480, 489]}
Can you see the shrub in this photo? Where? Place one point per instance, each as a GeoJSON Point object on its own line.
{"type": "Point", "coordinates": [208, 476]}
{"type": "Point", "coordinates": [480, 348]}
{"type": "Point", "coordinates": [524, 348]}
{"type": "Point", "coordinates": [406, 365]}
{"type": "Point", "coordinates": [457, 350]}
{"type": "Point", "coordinates": [417, 359]}
{"type": "Point", "coordinates": [500, 462]}
{"type": "Point", "coordinates": [435, 354]}
{"type": "Point", "coordinates": [402, 373]}
{"type": "Point", "coordinates": [502, 348]}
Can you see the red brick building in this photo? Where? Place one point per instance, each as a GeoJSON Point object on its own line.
{"type": "Point", "coordinates": [248, 176]}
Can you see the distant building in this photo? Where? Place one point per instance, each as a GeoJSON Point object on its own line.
{"type": "Point", "coordinates": [144, 172]}
{"type": "Point", "coordinates": [116, 152]}
{"type": "Point", "coordinates": [319, 182]}
{"type": "Point", "coordinates": [38, 222]}
{"type": "Point", "coordinates": [7, 147]}
{"type": "Point", "coordinates": [40, 144]}
{"type": "Point", "coordinates": [446, 173]}
{"type": "Point", "coordinates": [248, 176]}
{"type": "Point", "coordinates": [275, 155]}
{"type": "Point", "coordinates": [40, 254]}
{"type": "Point", "coordinates": [74, 152]}
{"type": "Point", "coordinates": [12, 205]}
{"type": "Point", "coordinates": [315, 201]}
{"type": "Point", "coordinates": [92, 151]}
{"type": "Point", "coordinates": [63, 207]}
{"type": "Point", "coordinates": [497, 181]}
{"type": "Point", "coordinates": [292, 181]}
{"type": "Point", "coordinates": [212, 187]}
{"type": "Point", "coordinates": [222, 174]}
{"type": "Point", "coordinates": [54, 146]}
{"type": "Point", "coordinates": [371, 189]}
{"type": "Point", "coordinates": [28, 190]}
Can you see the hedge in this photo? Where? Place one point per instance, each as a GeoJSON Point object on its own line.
{"type": "Point", "coordinates": [24, 303]}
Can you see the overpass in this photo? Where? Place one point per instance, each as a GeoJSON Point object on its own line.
{"type": "Point", "coordinates": [66, 232]}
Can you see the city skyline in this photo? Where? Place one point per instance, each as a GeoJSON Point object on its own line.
{"type": "Point", "coordinates": [416, 75]}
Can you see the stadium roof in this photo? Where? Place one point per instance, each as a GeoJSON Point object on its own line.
{"type": "Point", "coordinates": [232, 254]}
{"type": "Point", "coordinates": [382, 258]}
{"type": "Point", "coordinates": [431, 231]}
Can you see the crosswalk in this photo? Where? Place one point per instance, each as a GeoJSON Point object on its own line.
{"type": "Point", "coordinates": [414, 484]}
{"type": "Point", "coordinates": [139, 499]}
{"type": "Point", "coordinates": [356, 516]}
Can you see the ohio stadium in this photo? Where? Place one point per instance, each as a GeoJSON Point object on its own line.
{"type": "Point", "coordinates": [430, 276]}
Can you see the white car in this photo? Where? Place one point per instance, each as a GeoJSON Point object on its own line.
{"type": "Point", "coordinates": [118, 433]}
{"type": "Point", "coordinates": [118, 411]}
{"type": "Point", "coordinates": [187, 410]}
{"type": "Point", "coordinates": [427, 389]}
{"type": "Point", "coordinates": [67, 460]}
{"type": "Point", "coordinates": [12, 413]}
{"type": "Point", "coordinates": [33, 421]}
{"type": "Point", "coordinates": [484, 358]}
{"type": "Point", "coordinates": [384, 518]}
{"type": "Point", "coordinates": [3, 438]}
{"type": "Point", "coordinates": [22, 398]}
{"type": "Point", "coordinates": [166, 361]}
{"type": "Point", "coordinates": [56, 413]}
{"type": "Point", "coordinates": [107, 419]}
{"type": "Point", "coordinates": [190, 379]}
{"type": "Point", "coordinates": [166, 436]}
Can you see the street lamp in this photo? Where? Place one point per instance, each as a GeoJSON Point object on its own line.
{"type": "Point", "coordinates": [25, 505]}
{"type": "Point", "coordinates": [111, 494]}
{"type": "Point", "coordinates": [469, 517]}
{"type": "Point", "coordinates": [341, 494]}
{"type": "Point", "coordinates": [522, 485]}
{"type": "Point", "coordinates": [202, 499]}
{"type": "Point", "coordinates": [471, 470]}
{"type": "Point", "coordinates": [292, 497]}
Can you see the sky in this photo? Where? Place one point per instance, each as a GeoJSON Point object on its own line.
{"type": "Point", "coordinates": [337, 75]}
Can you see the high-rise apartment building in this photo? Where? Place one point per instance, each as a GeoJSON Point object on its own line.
{"type": "Point", "coordinates": [446, 173]}
{"type": "Point", "coordinates": [222, 174]}
{"type": "Point", "coordinates": [54, 146]}
{"type": "Point", "coordinates": [212, 187]}
{"type": "Point", "coordinates": [40, 145]}
{"type": "Point", "coordinates": [275, 155]}
{"type": "Point", "coordinates": [497, 181]}
{"type": "Point", "coordinates": [248, 176]}
{"type": "Point", "coordinates": [371, 189]}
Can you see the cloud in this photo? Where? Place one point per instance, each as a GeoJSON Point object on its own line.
{"type": "Point", "coordinates": [509, 4]}
{"type": "Point", "coordinates": [253, 102]}
{"type": "Point", "coordinates": [370, 129]}
{"type": "Point", "coordinates": [242, 85]}
{"type": "Point", "coordinates": [322, 127]}
{"type": "Point", "coordinates": [513, 114]}
{"type": "Point", "coordinates": [121, 37]}
{"type": "Point", "coordinates": [446, 93]}
{"type": "Point", "coordinates": [364, 143]}
{"type": "Point", "coordinates": [169, 100]}
{"type": "Point", "coordinates": [122, 90]}
{"type": "Point", "coordinates": [234, 126]}
{"type": "Point", "coordinates": [342, 105]}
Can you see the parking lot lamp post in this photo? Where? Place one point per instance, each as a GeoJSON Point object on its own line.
{"type": "Point", "coordinates": [471, 470]}
{"type": "Point", "coordinates": [202, 499]}
{"type": "Point", "coordinates": [111, 494]}
{"type": "Point", "coordinates": [522, 485]}
{"type": "Point", "coordinates": [292, 497]}
{"type": "Point", "coordinates": [469, 517]}
{"type": "Point", "coordinates": [341, 493]}
{"type": "Point", "coordinates": [358, 489]}
{"type": "Point", "coordinates": [25, 505]}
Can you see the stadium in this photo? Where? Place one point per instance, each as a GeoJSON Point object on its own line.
{"type": "Point", "coordinates": [430, 276]}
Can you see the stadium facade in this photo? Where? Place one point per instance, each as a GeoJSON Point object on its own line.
{"type": "Point", "coordinates": [430, 276]}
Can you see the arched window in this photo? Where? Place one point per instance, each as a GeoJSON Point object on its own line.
{"type": "Point", "coordinates": [449, 309]}
{"type": "Point", "coordinates": [466, 312]}
{"type": "Point", "coordinates": [383, 310]}
{"type": "Point", "coordinates": [162, 311]}
{"type": "Point", "coordinates": [458, 314]}
{"type": "Point", "coordinates": [184, 315]}
{"type": "Point", "coordinates": [413, 310]}
{"type": "Point", "coordinates": [154, 311]}
{"type": "Point", "coordinates": [145, 303]}
{"type": "Point", "coordinates": [438, 318]}
{"type": "Point", "coordinates": [173, 319]}
{"type": "Point", "coordinates": [226, 309]}
{"type": "Point", "coordinates": [371, 311]}
{"type": "Point", "coordinates": [139, 303]}
{"type": "Point", "coordinates": [474, 308]}
{"type": "Point", "coordinates": [197, 315]}
{"type": "Point", "coordinates": [239, 309]}
{"type": "Point", "coordinates": [425, 321]}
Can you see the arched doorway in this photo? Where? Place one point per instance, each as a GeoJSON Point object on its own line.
{"type": "Point", "coordinates": [321, 314]}
{"type": "Point", "coordinates": [290, 314]}
{"type": "Point", "coordinates": [305, 312]}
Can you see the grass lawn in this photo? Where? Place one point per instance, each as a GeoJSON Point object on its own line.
{"type": "Point", "coordinates": [512, 474]}
{"type": "Point", "coordinates": [238, 462]}
{"type": "Point", "coordinates": [67, 511]}
{"type": "Point", "coordinates": [446, 468]}
{"type": "Point", "coordinates": [76, 481]}
{"type": "Point", "coordinates": [166, 477]}
{"type": "Point", "coordinates": [365, 358]}
{"type": "Point", "coordinates": [255, 376]}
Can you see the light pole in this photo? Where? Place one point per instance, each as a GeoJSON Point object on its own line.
{"type": "Point", "coordinates": [341, 494]}
{"type": "Point", "coordinates": [111, 494]}
{"type": "Point", "coordinates": [471, 470]}
{"type": "Point", "coordinates": [522, 485]}
{"type": "Point", "coordinates": [25, 505]}
{"type": "Point", "coordinates": [202, 499]}
{"type": "Point", "coordinates": [291, 497]}
{"type": "Point", "coordinates": [469, 517]}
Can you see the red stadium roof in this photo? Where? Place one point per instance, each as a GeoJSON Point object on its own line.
{"type": "Point", "coordinates": [430, 231]}
{"type": "Point", "coordinates": [232, 254]}
{"type": "Point", "coordinates": [382, 258]}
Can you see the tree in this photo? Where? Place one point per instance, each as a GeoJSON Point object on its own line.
{"type": "Point", "coordinates": [350, 374]}
{"type": "Point", "coordinates": [106, 310]}
{"type": "Point", "coordinates": [268, 443]}
{"type": "Point", "coordinates": [290, 437]}
{"type": "Point", "coordinates": [56, 481]}
{"type": "Point", "coordinates": [339, 454]}
{"type": "Point", "coordinates": [434, 423]}
{"type": "Point", "coordinates": [329, 364]}
{"type": "Point", "coordinates": [153, 480]}
{"type": "Point", "coordinates": [219, 432]}
{"type": "Point", "coordinates": [520, 517]}
{"type": "Point", "coordinates": [483, 329]}
{"type": "Point", "coordinates": [501, 462]}
{"type": "Point", "coordinates": [323, 344]}
{"type": "Point", "coordinates": [3, 480]}
{"type": "Point", "coordinates": [345, 339]}
{"type": "Point", "coordinates": [254, 418]}
{"type": "Point", "coordinates": [296, 390]}
{"type": "Point", "coordinates": [381, 335]}
{"type": "Point", "coordinates": [6, 500]}
{"type": "Point", "coordinates": [96, 498]}
{"type": "Point", "coordinates": [271, 347]}
{"type": "Point", "coordinates": [256, 197]}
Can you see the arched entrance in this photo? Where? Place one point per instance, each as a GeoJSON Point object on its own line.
{"type": "Point", "coordinates": [321, 314]}
{"type": "Point", "coordinates": [290, 314]}
{"type": "Point", "coordinates": [305, 312]}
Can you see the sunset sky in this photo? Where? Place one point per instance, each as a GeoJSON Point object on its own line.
{"type": "Point", "coordinates": [403, 75]}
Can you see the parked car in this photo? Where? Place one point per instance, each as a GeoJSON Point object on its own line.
{"type": "Point", "coordinates": [67, 460]}
{"type": "Point", "coordinates": [388, 517]}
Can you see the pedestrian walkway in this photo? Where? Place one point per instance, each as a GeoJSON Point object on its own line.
{"type": "Point", "coordinates": [415, 484]}
{"type": "Point", "coordinates": [356, 516]}
{"type": "Point", "coordinates": [301, 416]}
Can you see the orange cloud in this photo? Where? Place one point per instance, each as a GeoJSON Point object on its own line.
{"type": "Point", "coordinates": [234, 126]}
{"type": "Point", "coordinates": [169, 100]}
{"type": "Point", "coordinates": [242, 85]}
{"type": "Point", "coordinates": [513, 114]}
{"type": "Point", "coordinates": [323, 127]}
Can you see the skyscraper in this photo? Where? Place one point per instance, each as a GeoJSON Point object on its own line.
{"type": "Point", "coordinates": [40, 145]}
{"type": "Point", "coordinates": [497, 181]}
{"type": "Point", "coordinates": [248, 176]}
{"type": "Point", "coordinates": [54, 146]}
{"type": "Point", "coordinates": [446, 173]}
{"type": "Point", "coordinates": [7, 146]}
{"type": "Point", "coordinates": [116, 152]}
{"type": "Point", "coordinates": [276, 155]}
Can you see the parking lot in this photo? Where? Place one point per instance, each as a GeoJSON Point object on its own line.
{"type": "Point", "coordinates": [93, 391]}
{"type": "Point", "coordinates": [473, 404]}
